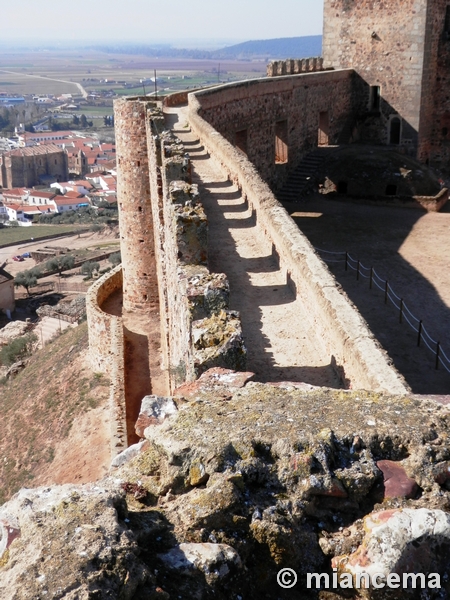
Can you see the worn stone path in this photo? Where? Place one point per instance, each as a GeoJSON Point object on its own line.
{"type": "Point", "coordinates": [282, 343]}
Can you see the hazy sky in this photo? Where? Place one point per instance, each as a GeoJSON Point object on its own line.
{"type": "Point", "coordinates": [148, 20]}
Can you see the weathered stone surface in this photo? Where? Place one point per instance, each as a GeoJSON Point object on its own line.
{"type": "Point", "coordinates": [13, 330]}
{"type": "Point", "coordinates": [220, 381]}
{"type": "Point", "coordinates": [218, 342]}
{"type": "Point", "coordinates": [396, 482]}
{"type": "Point", "coordinates": [128, 454]}
{"type": "Point", "coordinates": [401, 541]}
{"type": "Point", "coordinates": [283, 476]}
{"type": "Point", "coordinates": [214, 560]}
{"type": "Point", "coordinates": [154, 409]}
{"type": "Point", "coordinates": [71, 545]}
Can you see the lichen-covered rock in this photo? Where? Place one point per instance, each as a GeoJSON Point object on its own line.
{"type": "Point", "coordinates": [71, 545]}
{"type": "Point", "coordinates": [402, 541]}
{"type": "Point", "coordinates": [154, 409]}
{"type": "Point", "coordinates": [284, 476]}
{"type": "Point", "coordinates": [218, 342]}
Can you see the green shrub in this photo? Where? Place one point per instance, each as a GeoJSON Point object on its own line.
{"type": "Point", "coordinates": [17, 349]}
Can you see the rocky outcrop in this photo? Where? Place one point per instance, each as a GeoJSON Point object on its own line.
{"type": "Point", "coordinates": [235, 480]}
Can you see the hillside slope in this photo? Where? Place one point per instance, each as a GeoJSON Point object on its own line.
{"type": "Point", "coordinates": [54, 418]}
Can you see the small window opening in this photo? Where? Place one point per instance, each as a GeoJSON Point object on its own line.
{"type": "Point", "coordinates": [138, 163]}
{"type": "Point", "coordinates": [375, 97]}
{"type": "Point", "coordinates": [444, 131]}
{"type": "Point", "coordinates": [140, 208]}
{"type": "Point", "coordinates": [395, 131]}
{"type": "Point", "coordinates": [324, 128]}
{"type": "Point", "coordinates": [241, 141]}
{"type": "Point", "coordinates": [281, 142]}
{"type": "Point", "coordinates": [391, 190]}
{"type": "Point", "coordinates": [145, 297]}
{"type": "Point", "coordinates": [141, 241]}
{"type": "Point", "coordinates": [342, 187]}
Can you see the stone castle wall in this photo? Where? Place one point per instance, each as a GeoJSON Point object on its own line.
{"type": "Point", "coordinates": [106, 351]}
{"type": "Point", "coordinates": [257, 108]}
{"type": "Point", "coordinates": [193, 301]}
{"type": "Point", "coordinates": [403, 48]}
{"type": "Point", "coordinates": [140, 285]}
{"type": "Point", "coordinates": [353, 348]}
{"type": "Point", "coordinates": [290, 66]}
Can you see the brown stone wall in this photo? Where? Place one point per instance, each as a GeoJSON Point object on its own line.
{"type": "Point", "coordinates": [439, 88]}
{"type": "Point", "coordinates": [291, 66]}
{"type": "Point", "coordinates": [7, 296]}
{"type": "Point", "coordinates": [24, 171]}
{"type": "Point", "coordinates": [345, 334]}
{"type": "Point", "coordinates": [106, 351]}
{"type": "Point", "coordinates": [257, 106]}
{"type": "Point", "coordinates": [394, 45]}
{"type": "Point", "coordinates": [140, 289]}
{"type": "Point", "coordinates": [193, 302]}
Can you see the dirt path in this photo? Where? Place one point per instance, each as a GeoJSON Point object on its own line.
{"type": "Point", "coordinates": [282, 344]}
{"type": "Point", "coordinates": [410, 249]}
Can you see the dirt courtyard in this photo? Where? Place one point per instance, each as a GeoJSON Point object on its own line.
{"type": "Point", "coordinates": [409, 248]}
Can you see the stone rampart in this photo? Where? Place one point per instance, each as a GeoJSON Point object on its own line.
{"type": "Point", "coordinates": [198, 330]}
{"type": "Point", "coordinates": [294, 66]}
{"type": "Point", "coordinates": [276, 121]}
{"type": "Point", "coordinates": [106, 351]}
{"type": "Point", "coordinates": [352, 347]}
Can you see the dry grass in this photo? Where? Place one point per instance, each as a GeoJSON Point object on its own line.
{"type": "Point", "coordinates": [39, 405]}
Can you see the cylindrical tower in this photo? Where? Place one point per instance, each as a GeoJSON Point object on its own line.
{"type": "Point", "coordinates": [140, 289]}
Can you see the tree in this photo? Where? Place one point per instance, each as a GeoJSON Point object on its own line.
{"type": "Point", "coordinates": [115, 258]}
{"type": "Point", "coordinates": [25, 279]}
{"type": "Point", "coordinates": [83, 121]}
{"type": "Point", "coordinates": [76, 120]}
{"type": "Point", "coordinates": [61, 263]}
{"type": "Point", "coordinates": [89, 267]}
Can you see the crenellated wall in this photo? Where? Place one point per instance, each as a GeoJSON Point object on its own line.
{"type": "Point", "coordinates": [106, 351]}
{"type": "Point", "coordinates": [291, 66]}
{"type": "Point", "coordinates": [353, 348]}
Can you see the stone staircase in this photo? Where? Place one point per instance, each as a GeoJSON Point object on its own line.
{"type": "Point", "coordinates": [301, 179]}
{"type": "Point", "coordinates": [48, 327]}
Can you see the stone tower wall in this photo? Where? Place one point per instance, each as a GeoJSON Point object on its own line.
{"type": "Point", "coordinates": [402, 47]}
{"type": "Point", "coordinates": [140, 287]}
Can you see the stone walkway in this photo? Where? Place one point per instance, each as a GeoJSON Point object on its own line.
{"type": "Point", "coordinates": [281, 341]}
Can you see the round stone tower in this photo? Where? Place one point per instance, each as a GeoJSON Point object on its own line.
{"type": "Point", "coordinates": [140, 291]}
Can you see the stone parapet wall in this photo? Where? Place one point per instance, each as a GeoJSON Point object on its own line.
{"type": "Point", "coordinates": [284, 111]}
{"type": "Point", "coordinates": [352, 347]}
{"type": "Point", "coordinates": [291, 66]}
{"type": "Point", "coordinates": [106, 351]}
{"type": "Point", "coordinates": [198, 329]}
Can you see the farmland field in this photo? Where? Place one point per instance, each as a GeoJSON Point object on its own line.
{"type": "Point", "coordinates": [8, 235]}
{"type": "Point", "coordinates": [51, 72]}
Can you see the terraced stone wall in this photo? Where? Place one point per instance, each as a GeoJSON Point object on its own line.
{"type": "Point", "coordinates": [352, 347]}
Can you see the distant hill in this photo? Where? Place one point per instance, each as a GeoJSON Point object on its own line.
{"type": "Point", "coordinates": [294, 47]}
